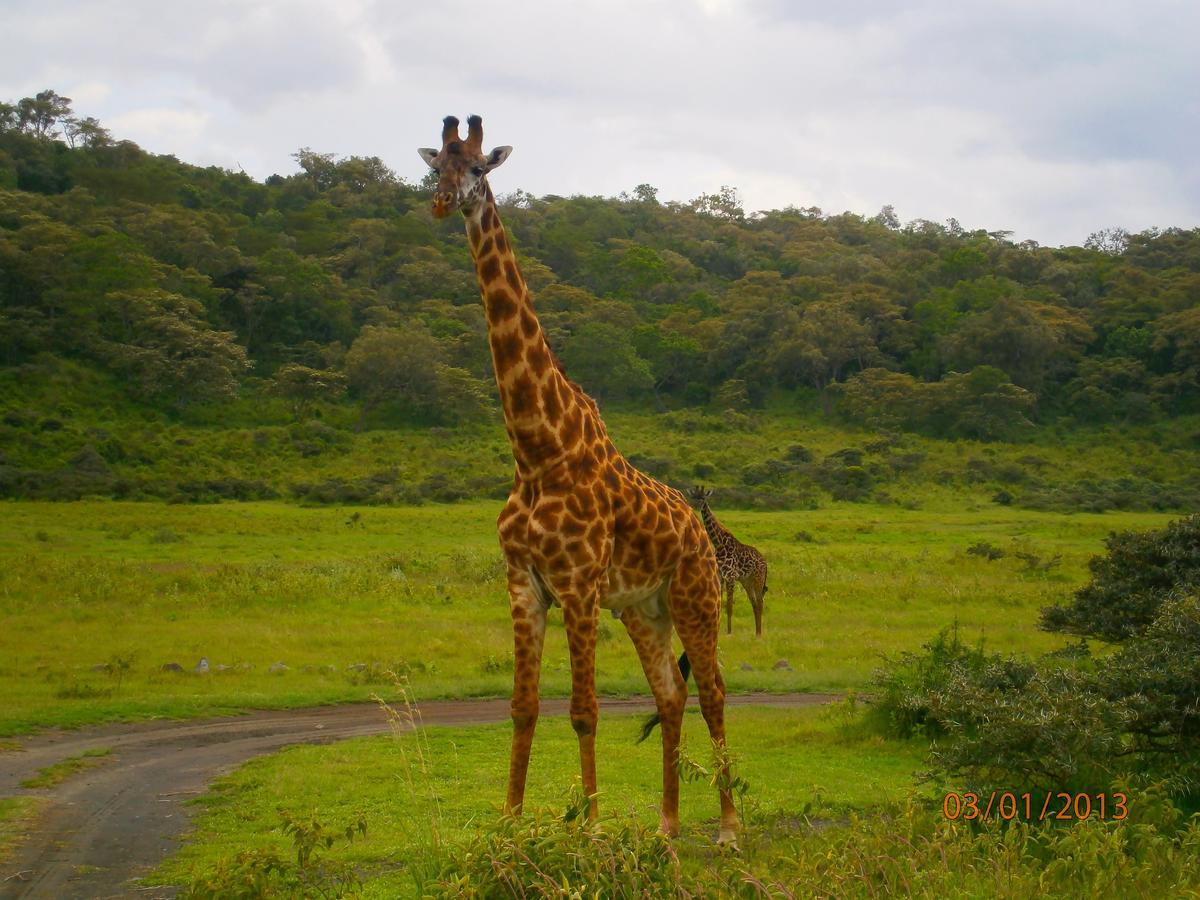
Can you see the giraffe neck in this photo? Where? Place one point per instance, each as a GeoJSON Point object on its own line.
{"type": "Point", "coordinates": [717, 532]}
{"type": "Point", "coordinates": [542, 410]}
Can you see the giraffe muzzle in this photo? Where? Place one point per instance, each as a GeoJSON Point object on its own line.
{"type": "Point", "coordinates": [443, 205]}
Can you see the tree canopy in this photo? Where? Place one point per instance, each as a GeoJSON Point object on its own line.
{"type": "Point", "coordinates": [192, 282]}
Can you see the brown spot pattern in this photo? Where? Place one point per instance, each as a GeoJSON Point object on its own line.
{"type": "Point", "coordinates": [587, 520]}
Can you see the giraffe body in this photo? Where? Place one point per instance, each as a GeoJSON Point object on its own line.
{"type": "Point", "coordinates": [582, 528]}
{"type": "Point", "coordinates": [737, 563]}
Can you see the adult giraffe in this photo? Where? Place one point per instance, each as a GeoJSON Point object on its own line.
{"type": "Point", "coordinates": [582, 528]}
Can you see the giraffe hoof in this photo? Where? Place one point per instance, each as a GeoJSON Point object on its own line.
{"type": "Point", "coordinates": [727, 841]}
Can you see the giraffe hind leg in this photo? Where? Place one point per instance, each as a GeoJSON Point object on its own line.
{"type": "Point", "coordinates": [652, 638]}
{"type": "Point", "coordinates": [755, 588]}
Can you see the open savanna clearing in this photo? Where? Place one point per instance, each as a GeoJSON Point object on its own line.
{"type": "Point", "coordinates": [98, 596]}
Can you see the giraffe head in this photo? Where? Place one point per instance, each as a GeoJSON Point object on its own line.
{"type": "Point", "coordinates": [462, 167]}
{"type": "Point", "coordinates": [699, 495]}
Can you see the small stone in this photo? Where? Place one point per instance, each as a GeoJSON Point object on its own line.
{"type": "Point", "coordinates": [172, 667]}
{"type": "Point", "coordinates": [278, 668]}
{"type": "Point", "coordinates": [357, 667]}
{"type": "Point", "coordinates": [782, 666]}
{"type": "Point", "coordinates": [202, 666]}
{"type": "Point", "coordinates": [746, 667]}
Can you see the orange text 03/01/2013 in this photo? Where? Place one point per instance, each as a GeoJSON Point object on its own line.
{"type": "Point", "coordinates": [1034, 807]}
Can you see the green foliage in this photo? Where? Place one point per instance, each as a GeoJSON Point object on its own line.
{"type": "Point", "coordinates": [1130, 583]}
{"type": "Point", "coordinates": [542, 854]}
{"type": "Point", "coordinates": [302, 387]}
{"type": "Point", "coordinates": [256, 874]}
{"type": "Point", "coordinates": [907, 685]}
{"type": "Point", "coordinates": [180, 281]}
{"type": "Point", "coordinates": [916, 852]}
{"type": "Point", "coordinates": [1059, 723]}
{"type": "Point", "coordinates": [982, 403]}
{"type": "Point", "coordinates": [407, 368]}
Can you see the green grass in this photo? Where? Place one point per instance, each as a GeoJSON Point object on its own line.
{"type": "Point", "coordinates": [17, 814]}
{"type": "Point", "coordinates": [153, 455]}
{"type": "Point", "coordinates": [95, 601]}
{"type": "Point", "coordinates": [64, 769]}
{"type": "Point", "coordinates": [420, 793]}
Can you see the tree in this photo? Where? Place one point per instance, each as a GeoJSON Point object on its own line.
{"type": "Point", "coordinates": [1025, 339]}
{"type": "Point", "coordinates": [882, 399]}
{"type": "Point", "coordinates": [981, 404]}
{"type": "Point", "coordinates": [645, 193]}
{"type": "Point", "coordinates": [1177, 337]}
{"type": "Point", "coordinates": [170, 353]}
{"type": "Point", "coordinates": [302, 386]}
{"type": "Point", "coordinates": [828, 338]}
{"type": "Point", "coordinates": [724, 204]}
{"type": "Point", "coordinates": [1109, 241]}
{"type": "Point", "coordinates": [406, 367]}
{"type": "Point", "coordinates": [602, 358]}
{"type": "Point", "coordinates": [39, 114]}
{"type": "Point", "coordinates": [85, 132]}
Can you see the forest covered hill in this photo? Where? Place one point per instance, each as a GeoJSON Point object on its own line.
{"type": "Point", "coordinates": [141, 296]}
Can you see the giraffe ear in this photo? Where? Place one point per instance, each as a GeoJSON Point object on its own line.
{"type": "Point", "coordinates": [428, 154]}
{"type": "Point", "coordinates": [497, 156]}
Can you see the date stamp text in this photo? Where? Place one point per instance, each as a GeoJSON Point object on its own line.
{"type": "Point", "coordinates": [1034, 807]}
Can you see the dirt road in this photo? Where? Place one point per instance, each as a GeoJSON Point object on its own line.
{"type": "Point", "coordinates": [117, 820]}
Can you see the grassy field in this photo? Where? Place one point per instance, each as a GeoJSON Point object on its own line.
{"type": "Point", "coordinates": [97, 596]}
{"type": "Point", "coordinates": [831, 810]}
{"type": "Point", "coordinates": [419, 795]}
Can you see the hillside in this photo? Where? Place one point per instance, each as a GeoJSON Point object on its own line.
{"type": "Point", "coordinates": [186, 332]}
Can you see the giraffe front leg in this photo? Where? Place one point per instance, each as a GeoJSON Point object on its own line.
{"type": "Point", "coordinates": [581, 609]}
{"type": "Point", "coordinates": [729, 586]}
{"type": "Point", "coordinates": [529, 633]}
{"type": "Point", "coordinates": [700, 595]}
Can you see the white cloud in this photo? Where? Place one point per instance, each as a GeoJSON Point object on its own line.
{"type": "Point", "coordinates": [1025, 116]}
{"type": "Point", "coordinates": [174, 127]}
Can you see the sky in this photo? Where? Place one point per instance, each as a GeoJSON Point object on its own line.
{"type": "Point", "coordinates": [1046, 118]}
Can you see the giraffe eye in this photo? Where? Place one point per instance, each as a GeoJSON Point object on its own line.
{"type": "Point", "coordinates": [477, 171]}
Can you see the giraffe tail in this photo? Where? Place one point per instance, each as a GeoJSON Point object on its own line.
{"type": "Point", "coordinates": [685, 669]}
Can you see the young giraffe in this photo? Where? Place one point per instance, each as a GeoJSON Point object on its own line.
{"type": "Point", "coordinates": [582, 528]}
{"type": "Point", "coordinates": [737, 563]}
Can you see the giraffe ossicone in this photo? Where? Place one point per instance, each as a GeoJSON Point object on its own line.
{"type": "Point", "coordinates": [582, 528]}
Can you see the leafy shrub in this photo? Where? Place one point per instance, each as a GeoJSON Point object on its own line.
{"type": "Point", "coordinates": [985, 550]}
{"type": "Point", "coordinates": [906, 686]}
{"type": "Point", "coordinates": [1156, 674]}
{"type": "Point", "coordinates": [1098, 495]}
{"type": "Point", "coordinates": [256, 874]}
{"type": "Point", "coordinates": [1061, 722]}
{"type": "Point", "coordinates": [1130, 583]}
{"type": "Point", "coordinates": [541, 854]}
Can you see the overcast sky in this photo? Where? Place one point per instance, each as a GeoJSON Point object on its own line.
{"type": "Point", "coordinates": [1051, 119]}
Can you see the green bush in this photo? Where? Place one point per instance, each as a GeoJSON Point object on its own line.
{"type": "Point", "coordinates": [1063, 722]}
{"type": "Point", "coordinates": [546, 855]}
{"type": "Point", "coordinates": [260, 874]}
{"type": "Point", "coordinates": [1130, 583]}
